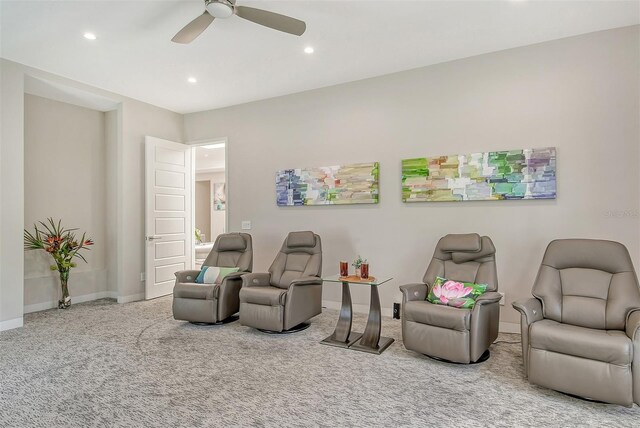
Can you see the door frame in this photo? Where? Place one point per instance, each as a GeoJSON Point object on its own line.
{"type": "Point", "coordinates": [206, 142]}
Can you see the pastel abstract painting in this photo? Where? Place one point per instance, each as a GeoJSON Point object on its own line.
{"type": "Point", "coordinates": [487, 176]}
{"type": "Point", "coordinates": [331, 185]}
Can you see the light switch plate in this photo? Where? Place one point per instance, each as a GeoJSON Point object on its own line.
{"type": "Point", "coordinates": [501, 300]}
{"type": "Point", "coordinates": [246, 225]}
{"type": "Point", "coordinates": [142, 276]}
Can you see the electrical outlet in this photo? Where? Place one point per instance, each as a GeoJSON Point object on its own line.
{"type": "Point", "coordinates": [396, 311]}
{"type": "Point", "coordinates": [501, 300]}
{"type": "Point", "coordinates": [246, 225]}
{"type": "Point", "coordinates": [143, 276]}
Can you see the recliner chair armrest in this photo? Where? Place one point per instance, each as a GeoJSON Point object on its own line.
{"type": "Point", "coordinates": [531, 308]}
{"type": "Point", "coordinates": [195, 291]}
{"type": "Point", "coordinates": [414, 291]}
{"type": "Point", "coordinates": [256, 279]}
{"type": "Point", "coordinates": [235, 275]}
{"type": "Point", "coordinates": [633, 324]}
{"type": "Point", "coordinates": [488, 297]}
{"type": "Point", "coordinates": [187, 275]}
{"type": "Point", "coordinates": [306, 280]}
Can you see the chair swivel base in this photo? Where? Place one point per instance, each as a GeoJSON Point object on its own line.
{"type": "Point", "coordinates": [484, 357]}
{"type": "Point", "coordinates": [295, 329]}
{"type": "Point", "coordinates": [228, 320]}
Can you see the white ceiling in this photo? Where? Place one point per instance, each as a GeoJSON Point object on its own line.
{"type": "Point", "coordinates": [209, 160]}
{"type": "Point", "coordinates": [236, 61]}
{"type": "Point", "coordinates": [67, 94]}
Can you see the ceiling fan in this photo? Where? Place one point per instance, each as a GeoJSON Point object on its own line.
{"type": "Point", "coordinates": [227, 8]}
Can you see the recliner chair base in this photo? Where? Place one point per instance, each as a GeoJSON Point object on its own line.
{"type": "Point", "coordinates": [228, 320]}
{"type": "Point", "coordinates": [484, 357]}
{"type": "Point", "coordinates": [591, 400]}
{"type": "Point", "coordinates": [302, 326]}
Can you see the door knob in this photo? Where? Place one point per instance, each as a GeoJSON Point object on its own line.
{"type": "Point", "coordinates": [153, 237]}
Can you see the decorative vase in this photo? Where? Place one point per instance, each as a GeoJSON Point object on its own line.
{"type": "Point", "coordinates": [64, 247]}
{"type": "Point", "coordinates": [65, 302]}
{"type": "Point", "coordinates": [358, 272]}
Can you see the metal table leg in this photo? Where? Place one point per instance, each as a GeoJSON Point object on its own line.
{"type": "Point", "coordinates": [371, 340]}
{"type": "Point", "coordinates": [343, 337]}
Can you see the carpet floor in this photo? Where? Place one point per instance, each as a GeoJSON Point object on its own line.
{"type": "Point", "coordinates": [101, 364]}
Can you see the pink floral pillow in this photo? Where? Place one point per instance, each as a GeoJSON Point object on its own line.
{"type": "Point", "coordinates": [455, 293]}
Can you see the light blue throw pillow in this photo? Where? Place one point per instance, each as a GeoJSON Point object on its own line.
{"type": "Point", "coordinates": [213, 274]}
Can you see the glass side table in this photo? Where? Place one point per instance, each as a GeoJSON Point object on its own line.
{"type": "Point", "coordinates": [370, 340]}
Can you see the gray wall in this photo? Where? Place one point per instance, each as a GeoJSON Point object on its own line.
{"type": "Point", "coordinates": [11, 194]}
{"type": "Point", "coordinates": [112, 136]}
{"type": "Point", "coordinates": [125, 129]}
{"type": "Point", "coordinates": [138, 120]}
{"type": "Point", "coordinates": [65, 178]}
{"type": "Point", "coordinates": [203, 207]}
{"type": "Point", "coordinates": [578, 94]}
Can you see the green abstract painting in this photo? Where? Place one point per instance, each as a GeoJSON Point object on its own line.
{"type": "Point", "coordinates": [487, 176]}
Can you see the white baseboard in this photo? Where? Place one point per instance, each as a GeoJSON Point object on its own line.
{"type": "Point", "coordinates": [11, 324]}
{"type": "Point", "coordinates": [37, 307]}
{"type": "Point", "coordinates": [131, 298]}
{"type": "Point", "coordinates": [85, 298]}
{"type": "Point", "coordinates": [504, 327]}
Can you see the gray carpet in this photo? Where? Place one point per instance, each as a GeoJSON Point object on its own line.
{"type": "Point", "coordinates": [101, 364]}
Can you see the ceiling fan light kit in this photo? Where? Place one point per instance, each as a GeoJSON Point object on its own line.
{"type": "Point", "coordinates": [219, 8]}
{"type": "Point", "coordinates": [223, 9]}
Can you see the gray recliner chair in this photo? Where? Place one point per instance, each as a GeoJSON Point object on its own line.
{"type": "Point", "coordinates": [214, 303]}
{"type": "Point", "coordinates": [581, 331]}
{"type": "Point", "coordinates": [290, 294]}
{"type": "Point", "coordinates": [448, 333]}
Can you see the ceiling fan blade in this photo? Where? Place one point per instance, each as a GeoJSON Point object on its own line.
{"type": "Point", "coordinates": [272, 20]}
{"type": "Point", "coordinates": [193, 29]}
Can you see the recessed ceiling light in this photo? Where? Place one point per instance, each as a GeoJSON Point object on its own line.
{"type": "Point", "coordinates": [89, 36]}
{"type": "Point", "coordinates": [213, 146]}
{"type": "Point", "coordinates": [192, 80]}
{"type": "Point", "coordinates": [308, 50]}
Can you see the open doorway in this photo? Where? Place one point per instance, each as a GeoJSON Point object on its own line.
{"type": "Point", "coordinates": [209, 197]}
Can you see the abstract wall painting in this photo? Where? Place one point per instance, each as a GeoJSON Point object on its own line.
{"type": "Point", "coordinates": [219, 196]}
{"type": "Point", "coordinates": [331, 185]}
{"type": "Point", "coordinates": [487, 176]}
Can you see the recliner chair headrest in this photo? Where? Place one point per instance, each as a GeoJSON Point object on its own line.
{"type": "Point", "coordinates": [608, 256]}
{"type": "Point", "coordinates": [462, 242]}
{"type": "Point", "coordinates": [486, 249]}
{"type": "Point", "coordinates": [231, 242]}
{"type": "Point", "coordinates": [301, 239]}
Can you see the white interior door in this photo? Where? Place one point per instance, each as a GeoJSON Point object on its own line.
{"type": "Point", "coordinates": [168, 214]}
